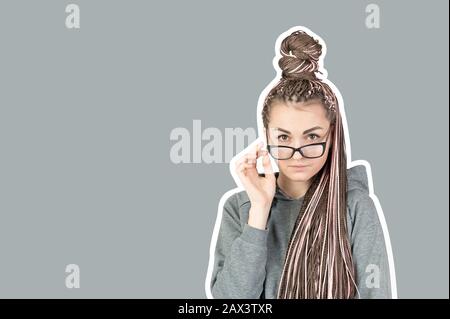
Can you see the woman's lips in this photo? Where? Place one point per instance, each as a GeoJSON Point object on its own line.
{"type": "Point", "coordinates": [298, 167]}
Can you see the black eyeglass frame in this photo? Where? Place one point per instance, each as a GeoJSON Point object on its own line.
{"type": "Point", "coordinates": [299, 149]}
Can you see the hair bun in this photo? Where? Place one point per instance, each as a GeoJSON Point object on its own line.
{"type": "Point", "coordinates": [300, 55]}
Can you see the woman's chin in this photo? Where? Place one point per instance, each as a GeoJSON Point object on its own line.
{"type": "Point", "coordinates": [298, 176]}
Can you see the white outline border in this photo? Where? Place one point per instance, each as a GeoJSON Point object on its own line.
{"type": "Point", "coordinates": [350, 164]}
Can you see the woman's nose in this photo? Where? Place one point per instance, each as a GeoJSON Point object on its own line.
{"type": "Point", "coordinates": [297, 155]}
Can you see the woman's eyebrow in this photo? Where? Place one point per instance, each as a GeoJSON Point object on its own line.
{"type": "Point", "coordinates": [305, 132]}
{"type": "Point", "coordinates": [312, 129]}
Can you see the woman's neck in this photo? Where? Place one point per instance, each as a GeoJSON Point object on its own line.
{"type": "Point", "coordinates": [293, 189]}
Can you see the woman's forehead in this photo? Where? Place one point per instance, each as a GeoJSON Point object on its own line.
{"type": "Point", "coordinates": [298, 120]}
{"type": "Point", "coordinates": [298, 130]}
{"type": "Point", "coordinates": [298, 112]}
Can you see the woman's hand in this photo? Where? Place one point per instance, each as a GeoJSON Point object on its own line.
{"type": "Point", "coordinates": [260, 190]}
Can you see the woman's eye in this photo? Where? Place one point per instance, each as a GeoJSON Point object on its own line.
{"type": "Point", "coordinates": [316, 136]}
{"type": "Point", "coordinates": [283, 138]}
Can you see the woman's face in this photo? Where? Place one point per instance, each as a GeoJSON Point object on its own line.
{"type": "Point", "coordinates": [296, 124]}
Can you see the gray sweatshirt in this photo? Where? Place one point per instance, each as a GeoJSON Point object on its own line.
{"type": "Point", "coordinates": [248, 261]}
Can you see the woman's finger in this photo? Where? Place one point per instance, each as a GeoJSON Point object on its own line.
{"type": "Point", "coordinates": [240, 160]}
{"type": "Point", "coordinates": [266, 164]}
{"type": "Point", "coordinates": [254, 151]}
{"type": "Point", "coordinates": [262, 150]}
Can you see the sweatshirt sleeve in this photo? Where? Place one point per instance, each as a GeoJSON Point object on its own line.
{"type": "Point", "coordinates": [369, 252]}
{"type": "Point", "coordinates": [240, 257]}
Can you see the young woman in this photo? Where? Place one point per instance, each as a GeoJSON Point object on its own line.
{"type": "Point", "coordinates": [310, 230]}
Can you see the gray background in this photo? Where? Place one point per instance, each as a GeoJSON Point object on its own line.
{"type": "Point", "coordinates": [85, 118]}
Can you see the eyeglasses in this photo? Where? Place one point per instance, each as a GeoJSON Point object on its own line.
{"type": "Point", "coordinates": [281, 152]}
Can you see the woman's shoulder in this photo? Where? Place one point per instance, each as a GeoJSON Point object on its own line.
{"type": "Point", "coordinates": [359, 202]}
{"type": "Point", "coordinates": [357, 183]}
{"type": "Point", "coordinates": [235, 199]}
{"type": "Point", "coordinates": [233, 206]}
